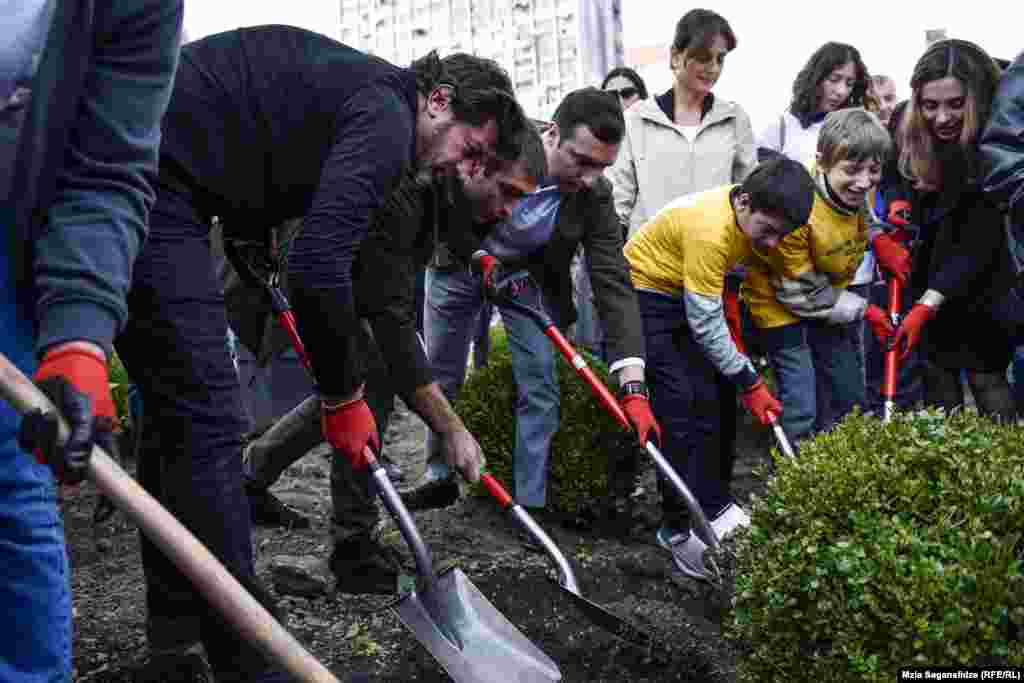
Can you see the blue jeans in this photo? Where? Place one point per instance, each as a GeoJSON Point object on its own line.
{"type": "Point", "coordinates": [693, 403]}
{"type": "Point", "coordinates": [35, 597]}
{"type": "Point", "coordinates": [819, 374]}
{"type": "Point", "coordinates": [589, 333]}
{"type": "Point", "coordinates": [454, 302]}
{"type": "Point", "coordinates": [189, 452]}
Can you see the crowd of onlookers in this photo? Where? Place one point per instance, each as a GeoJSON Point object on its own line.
{"type": "Point", "coordinates": [690, 252]}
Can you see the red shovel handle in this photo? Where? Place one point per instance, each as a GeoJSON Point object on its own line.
{"type": "Point", "coordinates": [495, 488]}
{"type": "Point", "coordinates": [583, 370]}
{"type": "Point", "coordinates": [892, 355]}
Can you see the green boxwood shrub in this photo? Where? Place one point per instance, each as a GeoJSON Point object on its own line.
{"type": "Point", "coordinates": [586, 450]}
{"type": "Point", "coordinates": [884, 546]}
{"type": "Point", "coordinates": [119, 385]}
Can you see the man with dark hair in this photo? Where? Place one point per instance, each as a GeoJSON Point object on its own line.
{"type": "Point", "coordinates": [400, 241]}
{"type": "Point", "coordinates": [265, 124]}
{"type": "Point", "coordinates": [574, 207]}
{"type": "Point", "coordinates": [679, 261]}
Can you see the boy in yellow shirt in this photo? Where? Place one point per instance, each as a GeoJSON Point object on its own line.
{"type": "Point", "coordinates": [678, 263]}
{"type": "Point", "coordinates": [797, 292]}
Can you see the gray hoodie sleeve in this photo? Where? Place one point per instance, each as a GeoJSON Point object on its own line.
{"type": "Point", "coordinates": [707, 323]}
{"type": "Point", "coordinates": [811, 295]}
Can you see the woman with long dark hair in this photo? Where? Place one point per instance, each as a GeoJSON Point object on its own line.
{"type": "Point", "coordinates": [960, 262]}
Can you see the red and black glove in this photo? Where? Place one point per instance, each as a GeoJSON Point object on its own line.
{"type": "Point", "coordinates": [731, 308]}
{"type": "Point", "coordinates": [637, 405]}
{"type": "Point", "coordinates": [75, 380]}
{"type": "Point", "coordinates": [893, 256]}
{"type": "Point", "coordinates": [909, 332]}
{"type": "Point", "coordinates": [489, 269]}
{"type": "Point", "coordinates": [760, 403]}
{"type": "Point", "coordinates": [349, 427]}
{"type": "Point", "coordinates": [880, 323]}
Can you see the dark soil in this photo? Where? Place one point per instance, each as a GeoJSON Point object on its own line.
{"type": "Point", "coordinates": [623, 571]}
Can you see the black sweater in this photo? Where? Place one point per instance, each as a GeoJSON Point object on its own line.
{"type": "Point", "coordinates": [275, 122]}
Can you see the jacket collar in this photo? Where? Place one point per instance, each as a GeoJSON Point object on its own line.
{"type": "Point", "coordinates": [720, 110]}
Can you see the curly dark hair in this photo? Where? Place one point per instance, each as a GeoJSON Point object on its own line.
{"type": "Point", "coordinates": [629, 74]}
{"type": "Point", "coordinates": [822, 63]}
{"type": "Point", "coordinates": [481, 91]}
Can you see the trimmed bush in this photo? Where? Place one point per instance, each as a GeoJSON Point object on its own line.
{"type": "Point", "coordinates": [585, 452]}
{"type": "Point", "coordinates": [119, 385]}
{"type": "Point", "coordinates": [885, 546]}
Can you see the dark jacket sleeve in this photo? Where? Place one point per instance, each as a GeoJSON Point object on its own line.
{"type": "Point", "coordinates": [1002, 143]}
{"type": "Point", "coordinates": [968, 260]}
{"type": "Point", "coordinates": [373, 145]}
{"type": "Point", "coordinates": [614, 295]}
{"type": "Point", "coordinates": [97, 221]}
{"type": "Point", "coordinates": [385, 281]}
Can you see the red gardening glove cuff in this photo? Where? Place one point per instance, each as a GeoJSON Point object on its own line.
{"type": "Point", "coordinates": [84, 370]}
{"type": "Point", "coordinates": [349, 427]}
{"type": "Point", "coordinates": [760, 403]}
{"type": "Point", "coordinates": [638, 410]}
{"type": "Point", "coordinates": [909, 332]}
{"type": "Point", "coordinates": [879, 322]}
{"type": "Point", "coordinates": [893, 256]}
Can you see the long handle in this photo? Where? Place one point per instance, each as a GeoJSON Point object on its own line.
{"type": "Point", "coordinates": [891, 355]}
{"type": "Point", "coordinates": [207, 574]}
{"type": "Point", "coordinates": [780, 436]}
{"type": "Point", "coordinates": [612, 405]}
{"type": "Point", "coordinates": [566, 575]}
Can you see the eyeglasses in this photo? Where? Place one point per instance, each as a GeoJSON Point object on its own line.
{"type": "Point", "coordinates": [625, 93]}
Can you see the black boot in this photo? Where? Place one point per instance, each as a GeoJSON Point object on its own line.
{"type": "Point", "coordinates": [266, 509]}
{"type": "Point", "coordinates": [362, 564]}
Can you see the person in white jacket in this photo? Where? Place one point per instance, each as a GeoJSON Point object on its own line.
{"type": "Point", "coordinates": [833, 78]}
{"type": "Point", "coordinates": [685, 140]}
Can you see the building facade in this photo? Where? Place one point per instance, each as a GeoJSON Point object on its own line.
{"type": "Point", "coordinates": [549, 47]}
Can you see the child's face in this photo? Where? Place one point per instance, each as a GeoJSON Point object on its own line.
{"type": "Point", "coordinates": [765, 229]}
{"type": "Point", "coordinates": [853, 180]}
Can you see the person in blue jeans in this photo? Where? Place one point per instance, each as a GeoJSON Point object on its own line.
{"type": "Point", "coordinates": [573, 207]}
{"type": "Point", "coordinates": [679, 262]}
{"type": "Point", "coordinates": [82, 88]}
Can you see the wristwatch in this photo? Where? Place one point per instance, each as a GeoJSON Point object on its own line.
{"type": "Point", "coordinates": [634, 387]}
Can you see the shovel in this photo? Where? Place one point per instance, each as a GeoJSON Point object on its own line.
{"type": "Point", "coordinates": [699, 520]}
{"type": "Point", "coordinates": [618, 627]}
{"type": "Point", "coordinates": [249, 618]}
{"type": "Point", "coordinates": [449, 616]}
{"type": "Point", "coordinates": [891, 354]}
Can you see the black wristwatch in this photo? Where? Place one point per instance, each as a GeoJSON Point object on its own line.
{"type": "Point", "coordinates": [634, 387]}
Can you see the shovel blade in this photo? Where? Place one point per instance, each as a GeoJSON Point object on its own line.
{"type": "Point", "coordinates": [469, 637]}
{"type": "Point", "coordinates": [612, 623]}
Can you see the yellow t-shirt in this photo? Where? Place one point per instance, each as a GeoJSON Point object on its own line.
{"type": "Point", "coordinates": [690, 244]}
{"type": "Point", "coordinates": [832, 243]}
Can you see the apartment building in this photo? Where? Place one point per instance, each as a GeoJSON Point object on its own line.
{"type": "Point", "coordinates": [549, 47]}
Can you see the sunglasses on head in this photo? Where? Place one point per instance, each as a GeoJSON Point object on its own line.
{"type": "Point", "coordinates": [625, 93]}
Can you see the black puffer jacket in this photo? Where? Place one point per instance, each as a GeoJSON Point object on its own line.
{"type": "Point", "coordinates": [1002, 144]}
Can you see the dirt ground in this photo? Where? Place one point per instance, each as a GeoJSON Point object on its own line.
{"type": "Point", "coordinates": [625, 572]}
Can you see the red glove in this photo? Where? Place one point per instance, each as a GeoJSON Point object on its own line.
{"type": "Point", "coordinates": [638, 410]}
{"type": "Point", "coordinates": [349, 427]}
{"type": "Point", "coordinates": [893, 256]}
{"type": "Point", "coordinates": [909, 332]}
{"type": "Point", "coordinates": [489, 268]}
{"type": "Point", "coordinates": [880, 323]}
{"type": "Point", "coordinates": [760, 403]}
{"type": "Point", "coordinates": [75, 378]}
{"type": "Point", "coordinates": [731, 307]}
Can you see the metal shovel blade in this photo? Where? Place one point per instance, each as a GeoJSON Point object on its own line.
{"type": "Point", "coordinates": [612, 623]}
{"type": "Point", "coordinates": [469, 637]}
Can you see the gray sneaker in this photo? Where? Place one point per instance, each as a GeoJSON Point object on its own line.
{"type": "Point", "coordinates": [687, 552]}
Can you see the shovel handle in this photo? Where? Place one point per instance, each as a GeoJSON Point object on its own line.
{"type": "Point", "coordinates": [497, 491]}
{"type": "Point", "coordinates": [780, 436]}
{"type": "Point", "coordinates": [892, 355]}
{"type": "Point", "coordinates": [250, 619]}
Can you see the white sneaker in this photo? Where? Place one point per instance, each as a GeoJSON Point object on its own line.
{"type": "Point", "coordinates": [687, 552]}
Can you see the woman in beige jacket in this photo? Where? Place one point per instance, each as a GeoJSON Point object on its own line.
{"type": "Point", "coordinates": [685, 140]}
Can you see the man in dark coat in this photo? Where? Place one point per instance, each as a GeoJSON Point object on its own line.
{"type": "Point", "coordinates": [265, 124]}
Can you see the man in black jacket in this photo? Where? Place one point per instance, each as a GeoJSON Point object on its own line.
{"type": "Point", "coordinates": [573, 208]}
{"type": "Point", "coordinates": [400, 241]}
{"type": "Point", "coordinates": [265, 124]}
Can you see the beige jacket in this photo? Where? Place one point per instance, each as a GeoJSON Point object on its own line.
{"type": "Point", "coordinates": [657, 163]}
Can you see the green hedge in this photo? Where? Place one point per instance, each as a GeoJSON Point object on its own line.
{"type": "Point", "coordinates": [882, 547]}
{"type": "Point", "coordinates": [584, 451]}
